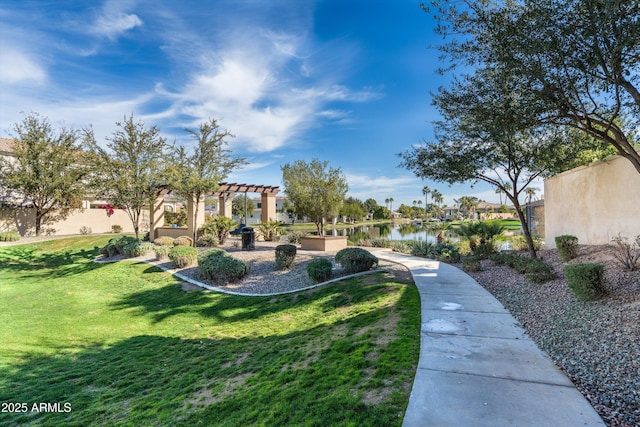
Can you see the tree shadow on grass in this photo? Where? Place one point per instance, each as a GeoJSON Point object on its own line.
{"type": "Point", "coordinates": [156, 380]}
{"type": "Point", "coordinates": [30, 262]}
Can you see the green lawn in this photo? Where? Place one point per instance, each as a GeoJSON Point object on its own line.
{"type": "Point", "coordinates": [123, 344]}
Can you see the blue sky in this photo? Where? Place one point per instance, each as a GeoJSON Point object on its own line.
{"type": "Point", "coordinates": [343, 81]}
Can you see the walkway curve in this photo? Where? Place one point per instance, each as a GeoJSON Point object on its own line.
{"type": "Point", "coordinates": [477, 366]}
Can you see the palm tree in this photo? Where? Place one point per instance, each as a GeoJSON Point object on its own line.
{"type": "Point", "coordinates": [531, 191]}
{"type": "Point", "coordinates": [499, 193]}
{"type": "Point", "coordinates": [391, 204]}
{"type": "Point", "coordinates": [468, 203]}
{"type": "Point", "coordinates": [386, 203]}
{"type": "Point", "coordinates": [426, 191]}
{"type": "Point", "coordinates": [436, 197]}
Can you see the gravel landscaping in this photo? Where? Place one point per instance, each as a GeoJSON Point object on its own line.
{"type": "Point", "coordinates": [597, 344]}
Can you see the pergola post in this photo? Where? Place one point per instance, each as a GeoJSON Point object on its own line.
{"type": "Point", "coordinates": [156, 216]}
{"type": "Point", "coordinates": [268, 207]}
{"type": "Point", "coordinates": [225, 205]}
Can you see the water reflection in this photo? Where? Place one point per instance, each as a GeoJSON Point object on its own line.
{"type": "Point", "coordinates": [393, 232]}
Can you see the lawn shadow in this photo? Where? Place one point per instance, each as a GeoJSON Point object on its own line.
{"type": "Point", "coordinates": [33, 263]}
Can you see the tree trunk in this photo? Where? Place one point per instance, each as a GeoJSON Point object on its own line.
{"type": "Point", "coordinates": [39, 216]}
{"type": "Point", "coordinates": [525, 227]}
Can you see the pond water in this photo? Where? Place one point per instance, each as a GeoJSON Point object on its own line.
{"type": "Point", "coordinates": [392, 232]}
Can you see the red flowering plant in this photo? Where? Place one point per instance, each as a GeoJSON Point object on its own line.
{"type": "Point", "coordinates": [110, 208]}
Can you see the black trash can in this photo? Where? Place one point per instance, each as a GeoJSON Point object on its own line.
{"type": "Point", "coordinates": [248, 239]}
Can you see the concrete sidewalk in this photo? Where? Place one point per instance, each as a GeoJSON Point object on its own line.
{"type": "Point", "coordinates": [477, 367]}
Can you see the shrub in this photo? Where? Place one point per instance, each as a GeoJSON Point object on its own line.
{"type": "Point", "coordinates": [538, 271]}
{"type": "Point", "coordinates": [183, 256]}
{"type": "Point", "coordinates": [270, 230]}
{"type": "Point", "coordinates": [9, 236]}
{"type": "Point", "coordinates": [178, 218]}
{"type": "Point", "coordinates": [138, 248]}
{"type": "Point", "coordinates": [498, 258]}
{"type": "Point", "coordinates": [295, 236]}
{"type": "Point", "coordinates": [162, 252]}
{"type": "Point", "coordinates": [216, 264]}
{"type": "Point", "coordinates": [586, 281]}
{"type": "Point", "coordinates": [400, 246]}
{"type": "Point", "coordinates": [164, 241]}
{"type": "Point", "coordinates": [422, 248]}
{"type": "Point", "coordinates": [123, 241]}
{"type": "Point", "coordinates": [116, 228]}
{"type": "Point", "coordinates": [380, 242]}
{"type": "Point", "coordinates": [519, 243]}
{"type": "Point", "coordinates": [218, 226]}
{"type": "Point", "coordinates": [448, 253]}
{"type": "Point", "coordinates": [355, 260]}
{"type": "Point", "coordinates": [471, 263]}
{"type": "Point", "coordinates": [85, 231]}
{"type": "Point", "coordinates": [207, 241]}
{"type": "Point", "coordinates": [183, 241]}
{"type": "Point", "coordinates": [285, 256]}
{"type": "Point", "coordinates": [627, 253]}
{"type": "Point", "coordinates": [567, 247]}
{"type": "Point", "coordinates": [319, 269]}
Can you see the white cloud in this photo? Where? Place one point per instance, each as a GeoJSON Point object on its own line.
{"type": "Point", "coordinates": [113, 22]}
{"type": "Point", "coordinates": [19, 67]}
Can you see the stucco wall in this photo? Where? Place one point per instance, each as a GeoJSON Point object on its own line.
{"type": "Point", "coordinates": [593, 203]}
{"type": "Point", "coordinates": [22, 220]}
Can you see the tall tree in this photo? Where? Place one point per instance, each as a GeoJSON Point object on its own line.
{"type": "Point", "coordinates": [485, 137]}
{"type": "Point", "coordinates": [316, 190]}
{"type": "Point", "coordinates": [199, 172]}
{"type": "Point", "coordinates": [242, 206]}
{"type": "Point", "coordinates": [578, 60]}
{"type": "Point", "coordinates": [530, 191]}
{"type": "Point", "coordinates": [426, 191]}
{"type": "Point", "coordinates": [370, 205]}
{"type": "Point", "coordinates": [468, 204]}
{"type": "Point", "coordinates": [437, 198]}
{"type": "Point", "coordinates": [131, 172]}
{"type": "Point", "coordinates": [46, 169]}
{"type": "Point", "coordinates": [353, 209]}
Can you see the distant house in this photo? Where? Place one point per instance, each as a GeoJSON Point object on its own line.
{"type": "Point", "coordinates": [484, 210]}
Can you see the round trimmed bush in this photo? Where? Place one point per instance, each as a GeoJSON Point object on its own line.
{"type": "Point", "coordinates": [123, 241]}
{"type": "Point", "coordinates": [285, 256]}
{"type": "Point", "coordinates": [217, 264]}
{"type": "Point", "coordinates": [164, 241]}
{"type": "Point", "coordinates": [138, 248]}
{"type": "Point", "coordinates": [586, 281]}
{"type": "Point", "coordinates": [319, 269]}
{"type": "Point", "coordinates": [183, 256]}
{"type": "Point", "coordinates": [162, 252]}
{"type": "Point", "coordinates": [355, 260]}
{"type": "Point", "coordinates": [567, 247]}
{"type": "Point", "coordinates": [183, 241]}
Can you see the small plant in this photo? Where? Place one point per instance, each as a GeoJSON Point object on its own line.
{"type": "Point", "coordinates": [183, 241]}
{"type": "Point", "coordinates": [319, 269]}
{"type": "Point", "coordinates": [567, 247]}
{"type": "Point", "coordinates": [586, 281]}
{"type": "Point", "coordinates": [422, 249]}
{"type": "Point", "coordinates": [295, 237]}
{"type": "Point", "coordinates": [354, 260]}
{"type": "Point", "coordinates": [519, 243]}
{"type": "Point", "coordinates": [448, 253]}
{"type": "Point", "coordinates": [116, 229]}
{"type": "Point", "coordinates": [85, 231]}
{"type": "Point", "coordinates": [183, 256]}
{"type": "Point", "coordinates": [498, 258]}
{"type": "Point", "coordinates": [538, 271]}
{"type": "Point", "coordinates": [164, 241]}
{"type": "Point", "coordinates": [207, 241]}
{"type": "Point", "coordinates": [162, 252]}
{"type": "Point", "coordinates": [627, 253]}
{"type": "Point", "coordinates": [285, 256]}
{"type": "Point", "coordinates": [471, 263]}
{"type": "Point", "coordinates": [217, 264]}
{"type": "Point", "coordinates": [138, 248]}
{"type": "Point", "coordinates": [218, 226]}
{"type": "Point", "coordinates": [270, 230]}
{"type": "Point", "coordinates": [9, 236]}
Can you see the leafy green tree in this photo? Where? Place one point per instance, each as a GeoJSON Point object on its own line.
{"type": "Point", "coordinates": [577, 60]}
{"type": "Point", "coordinates": [317, 192]}
{"type": "Point", "coordinates": [381, 212]}
{"type": "Point", "coordinates": [132, 170]}
{"type": "Point", "coordinates": [238, 205]}
{"type": "Point", "coordinates": [370, 205]}
{"type": "Point", "coordinates": [290, 209]}
{"type": "Point", "coordinates": [46, 169]}
{"type": "Point", "coordinates": [353, 209]}
{"type": "Point", "coordinates": [485, 137]}
{"type": "Point", "coordinates": [468, 204]}
{"type": "Point", "coordinates": [197, 174]}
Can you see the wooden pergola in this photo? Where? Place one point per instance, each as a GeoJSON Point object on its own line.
{"type": "Point", "coordinates": [225, 192]}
